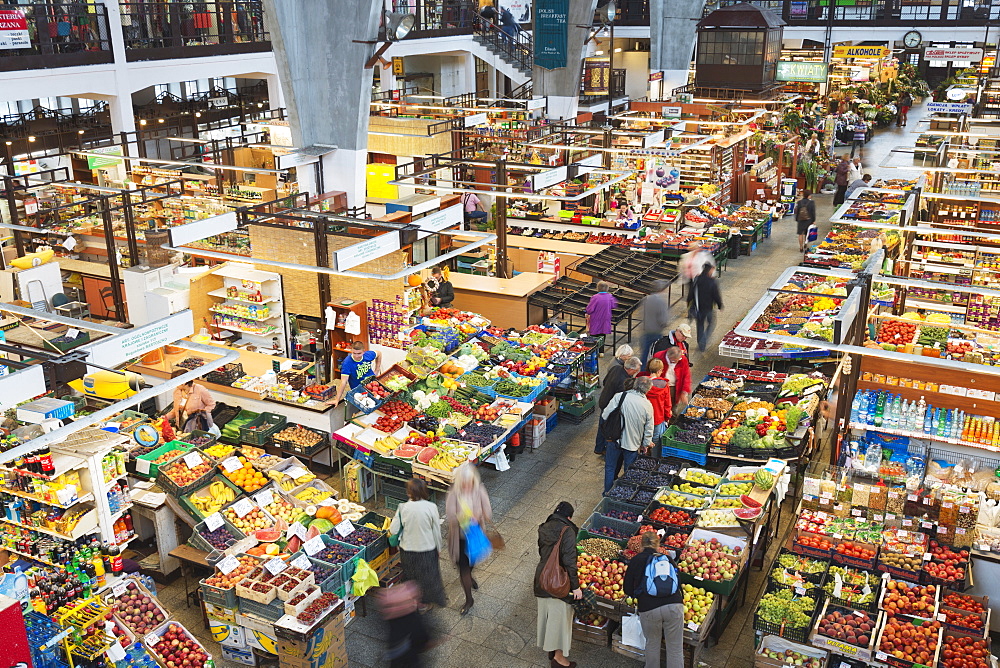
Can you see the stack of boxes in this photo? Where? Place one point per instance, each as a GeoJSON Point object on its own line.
{"type": "Point", "coordinates": [319, 646]}
{"type": "Point", "coordinates": [535, 430]}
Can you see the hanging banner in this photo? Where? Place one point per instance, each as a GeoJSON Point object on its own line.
{"type": "Point", "coordinates": [789, 70]}
{"type": "Point", "coordinates": [95, 162]}
{"type": "Point", "coordinates": [14, 30]}
{"type": "Point", "coordinates": [596, 74]}
{"type": "Point", "coordinates": [369, 249]}
{"type": "Point", "coordinates": [519, 9]}
{"type": "Point", "coordinates": [551, 34]}
{"type": "Point", "coordinates": [861, 52]}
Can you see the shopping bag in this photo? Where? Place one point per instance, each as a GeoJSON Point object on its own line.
{"type": "Point", "coordinates": [477, 544]}
{"type": "Point", "coordinates": [364, 578]}
{"type": "Point", "coordinates": [632, 632]}
{"type": "Point", "coordinates": [813, 233]}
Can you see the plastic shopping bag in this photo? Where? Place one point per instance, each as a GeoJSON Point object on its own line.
{"type": "Point", "coordinates": [812, 234]}
{"type": "Point", "coordinates": [632, 632]}
{"type": "Point", "coordinates": [364, 578]}
{"type": "Point", "coordinates": [477, 544]}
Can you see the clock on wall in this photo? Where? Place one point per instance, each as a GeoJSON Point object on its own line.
{"type": "Point", "coordinates": [912, 39]}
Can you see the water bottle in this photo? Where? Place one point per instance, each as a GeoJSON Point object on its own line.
{"type": "Point", "coordinates": [873, 458]}
{"type": "Point", "coordinates": [879, 409]}
{"type": "Point", "coordinates": [856, 408]}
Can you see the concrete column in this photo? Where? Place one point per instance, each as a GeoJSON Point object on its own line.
{"type": "Point", "coordinates": [467, 62]}
{"type": "Point", "coordinates": [562, 85]}
{"type": "Point", "coordinates": [275, 96]}
{"type": "Point", "coordinates": [327, 90]}
{"type": "Point", "coordinates": [672, 28]}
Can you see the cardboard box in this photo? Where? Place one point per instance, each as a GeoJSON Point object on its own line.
{"type": "Point", "coordinates": [241, 656]}
{"type": "Point", "coordinates": [547, 406]}
{"type": "Point", "coordinates": [219, 613]}
{"type": "Point", "coordinates": [227, 635]}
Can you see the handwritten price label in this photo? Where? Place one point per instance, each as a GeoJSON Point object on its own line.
{"type": "Point", "coordinates": [243, 507]}
{"type": "Point", "coordinates": [297, 530]}
{"type": "Point", "coordinates": [142, 466]}
{"type": "Point", "coordinates": [228, 565]}
{"type": "Point", "coordinates": [213, 521]}
{"type": "Point", "coordinates": [345, 528]}
{"type": "Point", "coordinates": [150, 639]}
{"type": "Point", "coordinates": [119, 589]}
{"type": "Point", "coordinates": [264, 498]}
{"type": "Point", "coordinates": [314, 545]}
{"type": "Point", "coordinates": [302, 562]}
{"type": "Point", "coordinates": [275, 566]}
{"type": "Point", "coordinates": [232, 464]}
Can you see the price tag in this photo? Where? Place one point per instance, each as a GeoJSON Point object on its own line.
{"type": "Point", "coordinates": [845, 665]}
{"type": "Point", "coordinates": [800, 591]}
{"type": "Point", "coordinates": [907, 523]}
{"type": "Point", "coordinates": [942, 529]}
{"type": "Point", "coordinates": [345, 528]}
{"type": "Point", "coordinates": [692, 626]}
{"type": "Point", "coordinates": [877, 518]}
{"type": "Point", "coordinates": [889, 517]}
{"type": "Point", "coordinates": [301, 561]}
{"type": "Point", "coordinates": [856, 512]}
{"type": "Point", "coordinates": [295, 472]}
{"type": "Point", "coordinates": [942, 617]}
{"type": "Point", "coordinates": [698, 577]}
{"type": "Point", "coordinates": [837, 536]}
{"type": "Point", "coordinates": [115, 651]}
{"type": "Point", "coordinates": [142, 466]}
{"type": "Point", "coordinates": [151, 639]}
{"type": "Point", "coordinates": [228, 565]}
{"type": "Point", "coordinates": [911, 497]}
{"type": "Point", "coordinates": [948, 504]}
{"type": "Point", "coordinates": [297, 530]}
{"type": "Point", "coordinates": [960, 531]}
{"type": "Point", "coordinates": [275, 566]}
{"type": "Point", "coordinates": [264, 498]}
{"type": "Point", "coordinates": [867, 590]}
{"type": "Point", "coordinates": [639, 519]}
{"type": "Point", "coordinates": [232, 464]}
{"type": "Point", "coordinates": [314, 545]}
{"type": "Point", "coordinates": [119, 589]}
{"type": "Point", "coordinates": [926, 525]}
{"type": "Point", "coordinates": [826, 495]}
{"type": "Point", "coordinates": [838, 585]}
{"type": "Point", "coordinates": [193, 459]}
{"type": "Point", "coordinates": [213, 521]}
{"type": "Point", "coordinates": [881, 656]}
{"type": "Point", "coordinates": [927, 556]}
{"type": "Point", "coordinates": [243, 507]}
{"type": "Point", "coordinates": [964, 509]}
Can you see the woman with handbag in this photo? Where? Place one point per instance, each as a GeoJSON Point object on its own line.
{"type": "Point", "coordinates": [416, 529]}
{"type": "Point", "coordinates": [556, 584]}
{"type": "Point", "coordinates": [467, 509]}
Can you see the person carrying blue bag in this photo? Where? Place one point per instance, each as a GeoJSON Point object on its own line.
{"type": "Point", "coordinates": [651, 577]}
{"type": "Point", "coordinates": [468, 510]}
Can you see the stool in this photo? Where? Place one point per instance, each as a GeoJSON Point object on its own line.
{"type": "Point", "coordinates": [78, 310]}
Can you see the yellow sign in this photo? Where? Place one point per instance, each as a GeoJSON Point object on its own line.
{"type": "Point", "coordinates": [397, 67]}
{"type": "Point", "coordinates": [861, 52]}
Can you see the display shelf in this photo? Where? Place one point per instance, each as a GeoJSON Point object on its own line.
{"type": "Point", "coordinates": [33, 558]}
{"type": "Point", "coordinates": [61, 463]}
{"type": "Point", "coordinates": [922, 435]}
{"type": "Point", "coordinates": [230, 328]}
{"type": "Point", "coordinates": [935, 306]}
{"type": "Point", "coordinates": [233, 315]}
{"type": "Point", "coordinates": [31, 497]}
{"type": "Point", "coordinates": [50, 532]}
{"type": "Point", "coordinates": [221, 293]}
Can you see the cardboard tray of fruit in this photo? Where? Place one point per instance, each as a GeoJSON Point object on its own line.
{"type": "Point", "coordinates": [186, 473]}
{"type": "Point", "coordinates": [965, 650]}
{"type": "Point", "coordinates": [889, 650]}
{"type": "Point", "coordinates": [254, 590]}
{"type": "Point", "coordinates": [697, 631]}
{"type": "Point", "coordinates": [160, 644]}
{"type": "Point", "coordinates": [302, 599]}
{"type": "Point", "coordinates": [965, 613]}
{"type": "Point", "coordinates": [826, 633]}
{"type": "Point", "coordinates": [777, 652]}
{"type": "Point", "coordinates": [896, 599]}
{"type": "Point", "coordinates": [127, 600]}
{"type": "Point", "coordinates": [592, 629]}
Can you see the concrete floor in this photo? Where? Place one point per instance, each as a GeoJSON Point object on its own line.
{"type": "Point", "coordinates": [500, 629]}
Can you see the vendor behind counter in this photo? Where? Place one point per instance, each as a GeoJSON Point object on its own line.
{"type": "Point", "coordinates": [193, 406]}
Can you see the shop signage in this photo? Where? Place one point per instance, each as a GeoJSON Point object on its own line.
{"type": "Point", "coordinates": [534, 103]}
{"type": "Point", "coordinates": [294, 159]}
{"type": "Point", "coordinates": [475, 119]}
{"type": "Point", "coordinates": [587, 165]}
{"type": "Point", "coordinates": [202, 229]}
{"type": "Point", "coordinates": [548, 178]}
{"type": "Point", "coordinates": [861, 52]}
{"type": "Point", "coordinates": [684, 98]}
{"type": "Point", "coordinates": [671, 113]}
{"type": "Point", "coordinates": [221, 101]}
{"type": "Point", "coordinates": [21, 386]}
{"type": "Point", "coordinates": [596, 74]}
{"type": "Point", "coordinates": [654, 138]}
{"type": "Point", "coordinates": [14, 30]}
{"type": "Point", "coordinates": [116, 350]}
{"type": "Point", "coordinates": [398, 69]}
{"type": "Point", "coordinates": [970, 55]}
{"type": "Point", "coordinates": [439, 220]}
{"type": "Point", "coordinates": [789, 70]}
{"type": "Point", "coordinates": [656, 76]}
{"type": "Point", "coordinates": [948, 108]}
{"type": "Point", "coordinates": [97, 162]}
{"type": "Point", "coordinates": [367, 250]}
{"type": "Point", "coordinates": [519, 9]}
{"type": "Point", "coordinates": [551, 33]}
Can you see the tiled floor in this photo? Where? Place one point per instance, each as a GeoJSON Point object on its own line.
{"type": "Point", "coordinates": [500, 629]}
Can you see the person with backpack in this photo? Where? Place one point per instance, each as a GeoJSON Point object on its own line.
{"type": "Point", "coordinates": [805, 215]}
{"type": "Point", "coordinates": [628, 428]}
{"type": "Point", "coordinates": [703, 297]}
{"type": "Point", "coordinates": [614, 382]}
{"type": "Point", "coordinates": [651, 577]}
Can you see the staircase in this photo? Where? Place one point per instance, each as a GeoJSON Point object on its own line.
{"type": "Point", "coordinates": [516, 51]}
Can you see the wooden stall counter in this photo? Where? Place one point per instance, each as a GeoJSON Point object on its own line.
{"type": "Point", "coordinates": [504, 301]}
{"type": "Point", "coordinates": [523, 252]}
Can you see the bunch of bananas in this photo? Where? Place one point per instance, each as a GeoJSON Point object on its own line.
{"type": "Point", "coordinates": [444, 462]}
{"type": "Point", "coordinates": [286, 482]}
{"type": "Point", "coordinates": [211, 499]}
{"type": "Point", "coordinates": [387, 444]}
{"type": "Point", "coordinates": [312, 495]}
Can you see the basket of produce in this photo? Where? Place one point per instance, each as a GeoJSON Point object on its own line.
{"type": "Point", "coordinates": [600, 526]}
{"type": "Point", "coordinates": [300, 439]}
{"type": "Point", "coordinates": [301, 600]}
{"type": "Point", "coordinates": [855, 553]}
{"type": "Point", "coordinates": [907, 598]}
{"type": "Point", "coordinates": [148, 465]}
{"type": "Point", "coordinates": [794, 570]}
{"type": "Point", "coordinates": [695, 438]}
{"type": "Point", "coordinates": [231, 429]}
{"type": "Point", "coordinates": [241, 473]}
{"type": "Point", "coordinates": [320, 392]}
{"type": "Point", "coordinates": [846, 630]}
{"type": "Point", "coordinates": [199, 439]}
{"type": "Point", "coordinates": [186, 473]}
{"type": "Point", "coordinates": [786, 614]}
{"type": "Point", "coordinates": [222, 538]}
{"type": "Point", "coordinates": [372, 542]}
{"type": "Point", "coordinates": [703, 548]}
{"type": "Point", "coordinates": [521, 389]}
{"type": "Point", "coordinates": [907, 642]}
{"type": "Point", "coordinates": [368, 396]}
{"type": "Point", "coordinates": [136, 608]}
{"type": "Point", "coordinates": [478, 381]}
{"type": "Point", "coordinates": [850, 587]}
{"type": "Point", "coordinates": [663, 516]}
{"type": "Point", "coordinates": [670, 497]}
{"type": "Point", "coordinates": [210, 498]}
{"type": "Point", "coordinates": [965, 613]}
{"type": "Point", "coordinates": [340, 556]}
{"type": "Point", "coordinates": [218, 451]}
{"type": "Point", "coordinates": [260, 429]}
{"type": "Point", "coordinates": [619, 510]}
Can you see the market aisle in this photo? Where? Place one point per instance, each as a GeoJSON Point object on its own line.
{"type": "Point", "coordinates": [500, 629]}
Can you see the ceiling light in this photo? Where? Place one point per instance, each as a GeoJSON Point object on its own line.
{"type": "Point", "coordinates": [197, 114]}
{"type": "Point", "coordinates": [31, 138]}
{"type": "Point", "coordinates": [142, 122]}
{"type": "Point", "coordinates": [598, 53]}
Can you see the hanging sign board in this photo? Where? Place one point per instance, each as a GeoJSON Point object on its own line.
{"type": "Point", "coordinates": [945, 53]}
{"type": "Point", "coordinates": [367, 250]}
{"type": "Point", "coordinates": [14, 30]}
{"type": "Point", "coordinates": [551, 33]}
{"type": "Point", "coordinates": [475, 119]}
{"type": "Point", "coordinates": [587, 165]}
{"type": "Point", "coordinates": [118, 349]}
{"type": "Point", "coordinates": [861, 52]}
{"type": "Point", "coordinates": [439, 220]}
{"type": "Point", "coordinates": [654, 138]}
{"type": "Point", "coordinates": [96, 162]}
{"type": "Point", "coordinates": [202, 229]}
{"type": "Point", "coordinates": [221, 101]}
{"type": "Point", "coordinates": [948, 108]}
{"type": "Point", "coordinates": [789, 70]}
{"type": "Point", "coordinates": [548, 178]}
{"type": "Point", "coordinates": [398, 68]}
{"type": "Point", "coordinates": [671, 112]}
{"type": "Point", "coordinates": [534, 103]}
{"type": "Point", "coordinates": [294, 159]}
{"type": "Point", "coordinates": [21, 386]}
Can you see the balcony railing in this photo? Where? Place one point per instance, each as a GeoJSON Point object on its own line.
{"type": "Point", "coordinates": [58, 35]}
{"type": "Point", "coordinates": [155, 31]}
{"type": "Point", "coordinates": [439, 18]}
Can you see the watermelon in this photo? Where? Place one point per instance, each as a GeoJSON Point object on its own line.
{"type": "Point", "coordinates": [312, 532]}
{"type": "Point", "coordinates": [763, 479]}
{"type": "Point", "coordinates": [748, 502]}
{"type": "Point", "coordinates": [294, 544]}
{"type": "Point", "coordinates": [321, 525]}
{"type": "Point", "coordinates": [748, 513]}
{"type": "Point", "coordinates": [426, 455]}
{"type": "Point", "coordinates": [406, 451]}
{"type": "Point", "coordinates": [267, 535]}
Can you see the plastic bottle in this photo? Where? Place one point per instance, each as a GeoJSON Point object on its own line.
{"type": "Point", "coordinates": [856, 408]}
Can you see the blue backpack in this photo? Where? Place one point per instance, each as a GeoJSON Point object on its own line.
{"type": "Point", "coordinates": [661, 577]}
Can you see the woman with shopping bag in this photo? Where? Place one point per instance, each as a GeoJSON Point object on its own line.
{"type": "Point", "coordinates": [557, 584]}
{"type": "Point", "coordinates": [468, 512]}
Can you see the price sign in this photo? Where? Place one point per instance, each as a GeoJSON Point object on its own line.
{"type": "Point", "coordinates": [877, 518]}
{"type": "Point", "coordinates": [232, 464]}
{"type": "Point", "coordinates": [213, 521]}
{"type": "Point", "coordinates": [193, 459]}
{"type": "Point", "coordinates": [228, 565]}
{"type": "Point", "coordinates": [119, 589]}
{"type": "Point", "coordinates": [264, 498]}
{"type": "Point", "coordinates": [243, 507]}
{"type": "Point", "coordinates": [907, 523]}
{"type": "Point", "coordinates": [297, 530]}
{"type": "Point", "coordinates": [927, 557]}
{"type": "Point", "coordinates": [296, 472]}
{"type": "Point", "coordinates": [856, 512]}
{"type": "Point", "coordinates": [911, 497]}
{"type": "Point", "coordinates": [942, 529]}
{"type": "Point", "coordinates": [275, 566]}
{"type": "Point", "coordinates": [692, 626]}
{"type": "Point", "coordinates": [302, 562]}
{"type": "Point", "coordinates": [800, 591]}
{"type": "Point", "coordinates": [926, 525]}
{"type": "Point", "coordinates": [345, 528]}
{"type": "Point", "coordinates": [142, 466]}
{"type": "Point", "coordinates": [960, 531]}
{"type": "Point", "coordinates": [151, 639]}
{"type": "Point", "coordinates": [881, 656]}
{"type": "Point", "coordinates": [116, 652]}
{"type": "Point", "coordinates": [942, 617]}
{"type": "Point", "coordinates": [889, 517]}
{"type": "Point", "coordinates": [964, 509]}
{"type": "Point", "coordinates": [314, 545]}
{"type": "Point", "coordinates": [329, 501]}
{"type": "Point", "coordinates": [838, 585]}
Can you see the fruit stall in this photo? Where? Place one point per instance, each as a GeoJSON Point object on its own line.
{"type": "Point", "coordinates": [715, 525]}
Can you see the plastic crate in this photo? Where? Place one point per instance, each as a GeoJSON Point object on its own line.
{"type": "Point", "coordinates": [252, 435]}
{"type": "Point", "coordinates": [396, 468]}
{"type": "Point", "coordinates": [354, 393]}
{"type": "Point", "coordinates": [171, 487]}
{"type": "Point", "coordinates": [199, 434]}
{"type": "Point", "coordinates": [795, 634]}
{"type": "Point", "coordinates": [668, 440]}
{"type": "Point", "coordinates": [577, 408]}
{"type": "Point", "coordinates": [191, 508]}
{"type": "Point", "coordinates": [607, 505]}
{"type": "Point", "coordinates": [290, 446]}
{"type": "Point", "coordinates": [346, 569]}
{"type": "Point", "coordinates": [652, 507]}
{"type": "Point", "coordinates": [485, 389]}
{"type": "Point", "coordinates": [227, 374]}
{"type": "Point", "coordinates": [271, 612]}
{"type": "Point", "coordinates": [199, 542]}
{"type": "Point", "coordinates": [152, 455]}
{"type": "Point", "coordinates": [225, 598]}
{"type": "Point", "coordinates": [595, 522]}
{"type": "Point", "coordinates": [241, 418]}
{"type": "Point", "coordinates": [684, 454]}
{"type": "Point", "coordinates": [551, 422]}
{"type": "Point", "coordinates": [530, 397]}
{"type": "Point", "coordinates": [321, 395]}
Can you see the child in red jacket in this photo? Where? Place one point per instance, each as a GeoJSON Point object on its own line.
{"type": "Point", "coordinates": [659, 396]}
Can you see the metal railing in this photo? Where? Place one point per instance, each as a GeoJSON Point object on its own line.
{"type": "Point", "coordinates": [440, 18]}
{"type": "Point", "coordinates": [56, 35]}
{"type": "Point", "coordinates": [852, 12]}
{"type": "Point", "coordinates": [171, 29]}
{"type": "Point", "coordinates": [515, 48]}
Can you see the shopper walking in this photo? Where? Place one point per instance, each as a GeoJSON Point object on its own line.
{"type": "Point", "coordinates": [614, 382]}
{"type": "Point", "coordinates": [659, 396]}
{"type": "Point", "coordinates": [703, 299]}
{"type": "Point", "coordinates": [805, 215]}
{"type": "Point", "coordinates": [417, 525]}
{"type": "Point", "coordinates": [408, 636]}
{"type": "Point", "coordinates": [677, 371]}
{"type": "Point", "coordinates": [655, 317]}
{"type": "Point", "coordinates": [856, 171]}
{"type": "Point", "coordinates": [628, 424]}
{"type": "Point", "coordinates": [555, 615]}
{"type": "Point", "coordinates": [651, 577]}
{"type": "Point", "coordinates": [841, 172]}
{"type": "Point", "coordinates": [903, 104]}
{"type": "Point", "coordinates": [860, 137]}
{"type": "Point", "coordinates": [467, 503]}
{"type": "Point", "coordinates": [599, 311]}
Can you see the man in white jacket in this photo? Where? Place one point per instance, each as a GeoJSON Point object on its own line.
{"type": "Point", "coordinates": [637, 428]}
